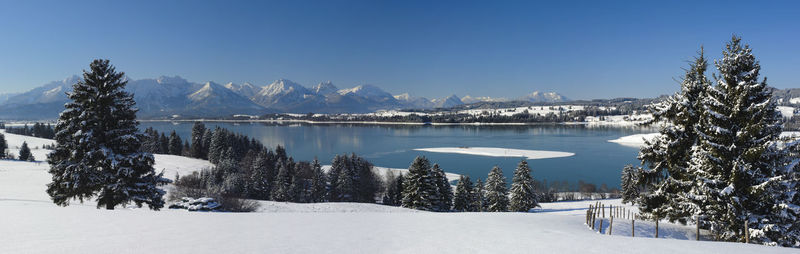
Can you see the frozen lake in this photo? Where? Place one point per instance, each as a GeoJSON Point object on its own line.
{"type": "Point", "coordinates": [582, 153]}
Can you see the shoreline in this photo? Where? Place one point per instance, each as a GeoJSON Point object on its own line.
{"type": "Point", "coordinates": [598, 124]}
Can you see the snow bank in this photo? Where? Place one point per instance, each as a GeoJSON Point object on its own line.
{"type": "Point", "coordinates": [498, 152]}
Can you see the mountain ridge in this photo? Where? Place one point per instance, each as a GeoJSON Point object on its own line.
{"type": "Point", "coordinates": [173, 96]}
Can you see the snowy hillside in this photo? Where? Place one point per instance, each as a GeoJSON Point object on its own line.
{"type": "Point", "coordinates": [33, 224]}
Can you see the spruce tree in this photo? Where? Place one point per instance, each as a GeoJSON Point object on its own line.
{"type": "Point", "coordinates": [25, 152]}
{"type": "Point", "coordinates": [98, 151]}
{"type": "Point", "coordinates": [3, 146]}
{"type": "Point", "coordinates": [733, 161]}
{"type": "Point", "coordinates": [206, 143]}
{"type": "Point", "coordinates": [259, 183]}
{"type": "Point", "coordinates": [282, 190]}
{"type": "Point", "coordinates": [175, 144]}
{"type": "Point", "coordinates": [496, 192]}
{"type": "Point", "coordinates": [219, 144]}
{"type": "Point", "coordinates": [667, 157]}
{"type": "Point", "coordinates": [398, 193]}
{"type": "Point", "coordinates": [337, 166]}
{"type": "Point", "coordinates": [419, 187]}
{"type": "Point", "coordinates": [346, 182]}
{"type": "Point", "coordinates": [463, 200]}
{"type": "Point", "coordinates": [318, 183]}
{"type": "Point", "coordinates": [163, 144]}
{"type": "Point", "coordinates": [523, 195]}
{"type": "Point", "coordinates": [479, 197]}
{"type": "Point", "coordinates": [198, 130]}
{"type": "Point", "coordinates": [628, 183]}
{"type": "Point", "coordinates": [444, 198]}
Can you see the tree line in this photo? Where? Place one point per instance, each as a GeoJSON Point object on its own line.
{"type": "Point", "coordinates": [38, 130]}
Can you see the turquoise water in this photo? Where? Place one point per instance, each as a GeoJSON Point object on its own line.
{"type": "Point", "coordinates": [595, 161]}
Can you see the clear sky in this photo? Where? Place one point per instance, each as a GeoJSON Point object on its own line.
{"type": "Point", "coordinates": [582, 49]}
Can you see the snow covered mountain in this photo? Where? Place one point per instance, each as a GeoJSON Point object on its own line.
{"type": "Point", "coordinates": [449, 101]}
{"type": "Point", "coordinates": [166, 96]}
{"type": "Point", "coordinates": [247, 90]}
{"type": "Point", "coordinates": [414, 102]}
{"type": "Point", "coordinates": [215, 99]}
{"type": "Point", "coordinates": [325, 88]}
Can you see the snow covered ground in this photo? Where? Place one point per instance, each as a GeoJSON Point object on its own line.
{"type": "Point", "coordinates": [31, 223]}
{"type": "Point", "coordinates": [637, 140]}
{"type": "Point", "coordinates": [498, 152]}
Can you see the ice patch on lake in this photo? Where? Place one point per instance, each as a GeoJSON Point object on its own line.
{"type": "Point", "coordinates": [498, 152]}
{"type": "Point", "coordinates": [636, 140]}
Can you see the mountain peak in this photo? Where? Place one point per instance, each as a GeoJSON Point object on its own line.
{"type": "Point", "coordinates": [324, 88]}
{"type": "Point", "coordinates": [171, 80]}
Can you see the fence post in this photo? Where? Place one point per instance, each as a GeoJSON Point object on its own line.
{"type": "Point", "coordinates": [697, 232]}
{"type": "Point", "coordinates": [587, 214]}
{"type": "Point", "coordinates": [633, 228]}
{"type": "Point", "coordinates": [594, 216]}
{"type": "Point", "coordinates": [603, 209]}
{"type": "Point", "coordinates": [746, 232]}
{"type": "Point", "coordinates": [610, 225]}
{"type": "Point", "coordinates": [656, 226]}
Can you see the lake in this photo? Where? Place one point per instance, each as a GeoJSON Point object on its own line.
{"type": "Point", "coordinates": [595, 161]}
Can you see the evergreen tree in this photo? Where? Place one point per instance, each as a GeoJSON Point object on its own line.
{"type": "Point", "coordinates": [419, 187]}
{"type": "Point", "coordinates": [298, 189]}
{"type": "Point", "coordinates": [667, 156]}
{"type": "Point", "coordinates": [368, 184]}
{"type": "Point", "coordinates": [282, 190]}
{"type": "Point", "coordinates": [25, 152]}
{"type": "Point", "coordinates": [496, 193]}
{"type": "Point", "coordinates": [163, 144]}
{"type": "Point", "coordinates": [444, 199]}
{"type": "Point", "coordinates": [630, 189]}
{"type": "Point", "coordinates": [463, 200]}
{"type": "Point", "coordinates": [219, 144]}
{"type": "Point", "coordinates": [398, 192]}
{"type": "Point", "coordinates": [175, 144]}
{"type": "Point", "coordinates": [734, 163]}
{"type": "Point", "coordinates": [318, 183]}
{"type": "Point", "coordinates": [391, 190]}
{"type": "Point", "coordinates": [337, 166]}
{"type": "Point", "coordinates": [98, 150]}
{"type": "Point", "coordinates": [479, 197]}
{"type": "Point", "coordinates": [198, 130]}
{"type": "Point", "coordinates": [3, 146]}
{"type": "Point", "coordinates": [259, 183]}
{"type": "Point", "coordinates": [187, 149]}
{"type": "Point", "coordinates": [523, 195]}
{"type": "Point", "coordinates": [206, 143]}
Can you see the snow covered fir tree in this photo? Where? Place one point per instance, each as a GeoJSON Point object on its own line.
{"type": "Point", "coordinates": [720, 160]}
{"type": "Point", "coordinates": [98, 147]}
{"type": "Point", "coordinates": [523, 195]}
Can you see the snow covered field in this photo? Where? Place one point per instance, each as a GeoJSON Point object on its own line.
{"type": "Point", "coordinates": [498, 152]}
{"type": "Point", "coordinates": [31, 223]}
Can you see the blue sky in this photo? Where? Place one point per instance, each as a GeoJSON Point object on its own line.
{"type": "Point", "coordinates": [582, 49]}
